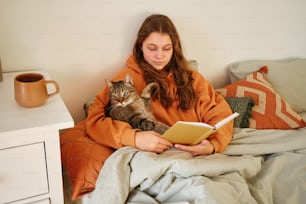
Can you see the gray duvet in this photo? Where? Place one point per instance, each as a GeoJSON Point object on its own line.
{"type": "Point", "coordinates": [259, 166]}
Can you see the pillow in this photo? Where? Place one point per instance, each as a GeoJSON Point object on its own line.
{"type": "Point", "coordinates": [243, 106]}
{"type": "Point", "coordinates": [82, 159]}
{"type": "Point", "coordinates": [286, 76]}
{"type": "Point", "coordinates": [270, 110]}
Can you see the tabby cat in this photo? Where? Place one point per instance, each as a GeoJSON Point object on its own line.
{"type": "Point", "coordinates": [127, 105]}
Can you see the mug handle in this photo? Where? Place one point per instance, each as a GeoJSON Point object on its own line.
{"type": "Point", "coordinates": [56, 87]}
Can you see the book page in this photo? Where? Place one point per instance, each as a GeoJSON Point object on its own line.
{"type": "Point", "coordinates": [191, 133]}
{"type": "Point", "coordinates": [186, 133]}
{"type": "Point", "coordinates": [196, 124]}
{"type": "Point", "coordinates": [225, 120]}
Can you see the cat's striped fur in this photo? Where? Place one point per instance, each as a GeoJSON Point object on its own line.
{"type": "Point", "coordinates": [128, 106]}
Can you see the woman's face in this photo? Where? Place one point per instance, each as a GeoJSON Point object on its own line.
{"type": "Point", "coordinates": [157, 50]}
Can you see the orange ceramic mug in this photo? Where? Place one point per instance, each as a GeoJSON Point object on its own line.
{"type": "Point", "coordinates": [31, 89]}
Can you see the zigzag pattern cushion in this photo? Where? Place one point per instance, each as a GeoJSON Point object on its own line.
{"type": "Point", "coordinates": [270, 110]}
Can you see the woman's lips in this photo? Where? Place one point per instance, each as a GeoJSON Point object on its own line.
{"type": "Point", "coordinates": [158, 63]}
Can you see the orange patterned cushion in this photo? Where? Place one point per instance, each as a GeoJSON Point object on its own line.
{"type": "Point", "coordinates": [270, 110]}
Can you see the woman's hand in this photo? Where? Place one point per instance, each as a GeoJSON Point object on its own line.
{"type": "Point", "coordinates": [203, 148]}
{"type": "Point", "coordinates": [151, 141]}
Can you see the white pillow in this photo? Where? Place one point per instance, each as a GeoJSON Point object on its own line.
{"type": "Point", "coordinates": [286, 76]}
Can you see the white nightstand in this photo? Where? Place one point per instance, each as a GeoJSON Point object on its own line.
{"type": "Point", "coordinates": [30, 160]}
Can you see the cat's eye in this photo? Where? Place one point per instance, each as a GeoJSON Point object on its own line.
{"type": "Point", "coordinates": [125, 94]}
{"type": "Point", "coordinates": [114, 96]}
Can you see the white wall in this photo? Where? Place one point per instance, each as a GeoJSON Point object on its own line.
{"type": "Point", "coordinates": [82, 42]}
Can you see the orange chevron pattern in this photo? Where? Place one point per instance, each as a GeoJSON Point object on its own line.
{"type": "Point", "coordinates": [270, 110]}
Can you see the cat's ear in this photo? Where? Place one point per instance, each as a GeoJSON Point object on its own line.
{"type": "Point", "coordinates": [109, 83]}
{"type": "Point", "coordinates": [129, 79]}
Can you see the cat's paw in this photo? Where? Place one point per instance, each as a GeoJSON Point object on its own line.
{"type": "Point", "coordinates": [161, 128]}
{"type": "Point", "coordinates": [154, 87]}
{"type": "Point", "coordinates": [151, 87]}
{"type": "Point", "coordinates": [148, 125]}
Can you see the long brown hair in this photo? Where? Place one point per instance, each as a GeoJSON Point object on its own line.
{"type": "Point", "coordinates": [178, 65]}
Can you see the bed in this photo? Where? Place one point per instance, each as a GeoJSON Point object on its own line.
{"type": "Point", "coordinates": [264, 163]}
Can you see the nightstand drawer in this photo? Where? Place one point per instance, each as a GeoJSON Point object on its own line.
{"type": "Point", "coordinates": [45, 201]}
{"type": "Point", "coordinates": [23, 172]}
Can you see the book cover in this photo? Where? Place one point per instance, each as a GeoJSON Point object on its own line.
{"type": "Point", "coordinates": [191, 133]}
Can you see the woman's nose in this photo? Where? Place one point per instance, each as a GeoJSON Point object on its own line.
{"type": "Point", "coordinates": [159, 54]}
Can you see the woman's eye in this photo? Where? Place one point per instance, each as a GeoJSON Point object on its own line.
{"type": "Point", "coordinates": [152, 48]}
{"type": "Point", "coordinates": [168, 48]}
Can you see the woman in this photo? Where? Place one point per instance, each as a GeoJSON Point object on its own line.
{"type": "Point", "coordinates": [184, 95]}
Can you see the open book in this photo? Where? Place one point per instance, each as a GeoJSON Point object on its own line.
{"type": "Point", "coordinates": [191, 133]}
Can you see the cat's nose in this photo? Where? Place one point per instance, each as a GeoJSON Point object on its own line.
{"type": "Point", "coordinates": [120, 99]}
